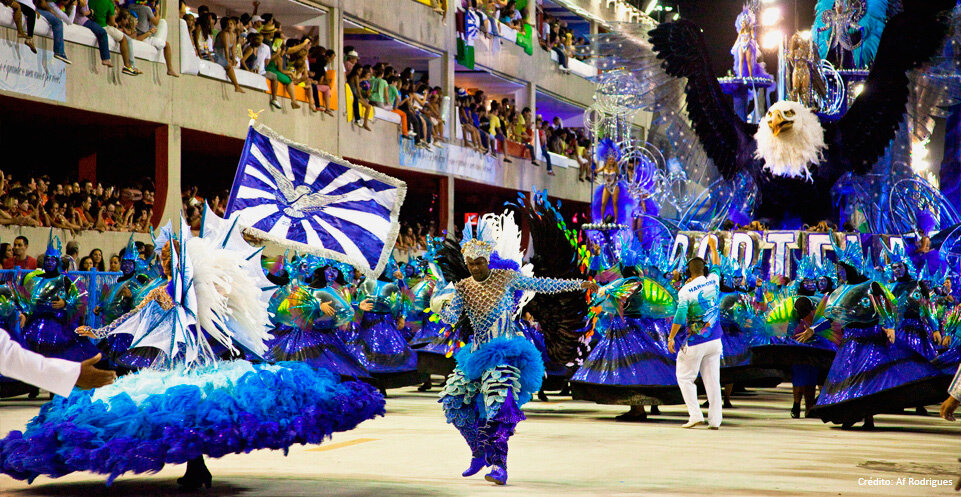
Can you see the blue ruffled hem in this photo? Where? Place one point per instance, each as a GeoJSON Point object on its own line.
{"type": "Point", "coordinates": [149, 419]}
{"type": "Point", "coordinates": [513, 351]}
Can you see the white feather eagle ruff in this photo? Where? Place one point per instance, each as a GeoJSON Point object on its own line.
{"type": "Point", "coordinates": [792, 152]}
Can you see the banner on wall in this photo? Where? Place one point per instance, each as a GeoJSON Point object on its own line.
{"type": "Point", "coordinates": [776, 252]}
{"type": "Point", "coordinates": [450, 159]}
{"type": "Point", "coordinates": [34, 74]}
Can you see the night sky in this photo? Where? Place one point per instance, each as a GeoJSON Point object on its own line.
{"type": "Point", "coordinates": [716, 18]}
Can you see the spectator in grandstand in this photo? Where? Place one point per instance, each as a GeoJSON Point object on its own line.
{"type": "Point", "coordinates": [96, 255]}
{"type": "Point", "coordinates": [440, 7]}
{"type": "Point", "coordinates": [86, 264]}
{"type": "Point", "coordinates": [69, 261]}
{"type": "Point", "coordinates": [583, 157]}
{"type": "Point", "coordinates": [30, 10]}
{"type": "Point", "coordinates": [496, 128]}
{"type": "Point", "coordinates": [350, 58]}
{"type": "Point", "coordinates": [393, 100]}
{"type": "Point", "coordinates": [255, 59]}
{"type": "Point", "coordinates": [320, 86]}
{"type": "Point", "coordinates": [362, 107]}
{"type": "Point", "coordinates": [223, 52]}
{"type": "Point", "coordinates": [468, 130]}
{"type": "Point", "coordinates": [18, 21]}
{"type": "Point", "coordinates": [104, 14]}
{"type": "Point", "coordinates": [20, 257]}
{"type": "Point", "coordinates": [203, 35]}
{"type": "Point", "coordinates": [433, 111]}
{"type": "Point", "coordinates": [378, 86]}
{"type": "Point", "coordinates": [555, 42]}
{"type": "Point", "coordinates": [151, 28]}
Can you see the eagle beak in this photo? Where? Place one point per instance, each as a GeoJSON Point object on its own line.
{"type": "Point", "coordinates": [778, 123]}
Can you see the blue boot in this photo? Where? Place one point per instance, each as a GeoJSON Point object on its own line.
{"type": "Point", "coordinates": [498, 475]}
{"type": "Point", "coordinates": [476, 464]}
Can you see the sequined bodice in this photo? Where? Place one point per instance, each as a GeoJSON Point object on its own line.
{"type": "Point", "coordinates": [490, 304]}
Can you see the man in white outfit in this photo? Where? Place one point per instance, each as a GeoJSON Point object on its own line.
{"type": "Point", "coordinates": [55, 375]}
{"type": "Point", "coordinates": [698, 311]}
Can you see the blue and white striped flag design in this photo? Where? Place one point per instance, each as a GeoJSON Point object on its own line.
{"type": "Point", "coordinates": [313, 202]}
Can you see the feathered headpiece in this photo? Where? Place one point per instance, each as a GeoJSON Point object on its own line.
{"type": "Point", "coordinates": [131, 253]}
{"type": "Point", "coordinates": [807, 269]}
{"type": "Point", "coordinates": [53, 246]}
{"type": "Point", "coordinates": [475, 248]}
{"type": "Point", "coordinates": [607, 148]}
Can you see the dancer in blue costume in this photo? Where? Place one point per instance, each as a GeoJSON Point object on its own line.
{"type": "Point", "coordinates": [872, 371]}
{"type": "Point", "coordinates": [430, 341]}
{"type": "Point", "coordinates": [308, 317]}
{"type": "Point", "coordinates": [498, 370]}
{"type": "Point", "coordinates": [120, 298]}
{"type": "Point", "coordinates": [628, 365]}
{"type": "Point", "coordinates": [189, 404]}
{"type": "Point", "coordinates": [910, 292]}
{"type": "Point", "coordinates": [51, 303]}
{"type": "Point", "coordinates": [10, 320]}
{"type": "Point", "coordinates": [376, 342]}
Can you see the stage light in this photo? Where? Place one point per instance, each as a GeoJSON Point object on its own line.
{"type": "Point", "coordinates": [677, 16]}
{"type": "Point", "coordinates": [858, 88]}
{"type": "Point", "coordinates": [805, 35]}
{"type": "Point", "coordinates": [650, 7]}
{"type": "Point", "coordinates": [771, 39]}
{"type": "Point", "coordinates": [770, 16]}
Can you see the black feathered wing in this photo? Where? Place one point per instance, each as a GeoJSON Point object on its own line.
{"type": "Point", "coordinates": [727, 140]}
{"type": "Point", "coordinates": [452, 265]}
{"type": "Point", "coordinates": [562, 316]}
{"type": "Point", "coordinates": [910, 39]}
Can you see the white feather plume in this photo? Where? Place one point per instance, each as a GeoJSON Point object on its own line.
{"type": "Point", "coordinates": [502, 230]}
{"type": "Point", "coordinates": [793, 151]}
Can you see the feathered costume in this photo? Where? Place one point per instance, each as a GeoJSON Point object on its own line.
{"type": "Point", "coordinates": [375, 341]}
{"type": "Point", "coordinates": [51, 301]}
{"type": "Point", "coordinates": [630, 365]}
{"type": "Point", "coordinates": [431, 340]}
{"type": "Point", "coordinates": [498, 370]}
{"type": "Point", "coordinates": [188, 404]}
{"type": "Point", "coordinates": [871, 375]}
{"type": "Point", "coordinates": [305, 332]}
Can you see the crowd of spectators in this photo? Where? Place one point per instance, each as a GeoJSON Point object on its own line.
{"type": "Point", "coordinates": [75, 205]}
{"type": "Point", "coordinates": [412, 239]}
{"type": "Point", "coordinates": [554, 35]}
{"type": "Point", "coordinates": [487, 123]}
{"type": "Point", "coordinates": [120, 20]}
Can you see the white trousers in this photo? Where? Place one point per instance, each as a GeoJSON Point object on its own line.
{"type": "Point", "coordinates": [706, 359]}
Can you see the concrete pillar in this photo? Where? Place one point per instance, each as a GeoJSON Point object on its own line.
{"type": "Point", "coordinates": [171, 14]}
{"type": "Point", "coordinates": [440, 70]}
{"type": "Point", "coordinates": [167, 157]}
{"type": "Point", "coordinates": [446, 204]}
{"type": "Point", "coordinates": [595, 28]}
{"type": "Point", "coordinates": [335, 27]}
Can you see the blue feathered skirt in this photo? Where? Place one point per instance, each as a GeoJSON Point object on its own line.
{"type": "Point", "coordinates": [380, 347]}
{"type": "Point", "coordinates": [151, 418]}
{"type": "Point", "coordinates": [514, 351]}
{"type": "Point", "coordinates": [49, 332]}
{"type": "Point", "coordinates": [871, 375]}
{"type": "Point", "coordinates": [628, 366]}
{"type": "Point", "coordinates": [316, 347]}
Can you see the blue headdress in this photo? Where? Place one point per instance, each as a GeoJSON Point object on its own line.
{"type": "Point", "coordinates": [390, 268]}
{"type": "Point", "coordinates": [53, 249]}
{"type": "Point", "coordinates": [898, 256]}
{"type": "Point", "coordinates": [806, 269]}
{"type": "Point", "coordinates": [131, 253]}
{"type": "Point", "coordinates": [607, 148]}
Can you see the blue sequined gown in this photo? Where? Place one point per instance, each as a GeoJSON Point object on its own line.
{"type": "Point", "coordinates": [376, 342]}
{"type": "Point", "coordinates": [50, 331]}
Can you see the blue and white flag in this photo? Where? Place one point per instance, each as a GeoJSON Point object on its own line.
{"type": "Point", "coordinates": [313, 202]}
